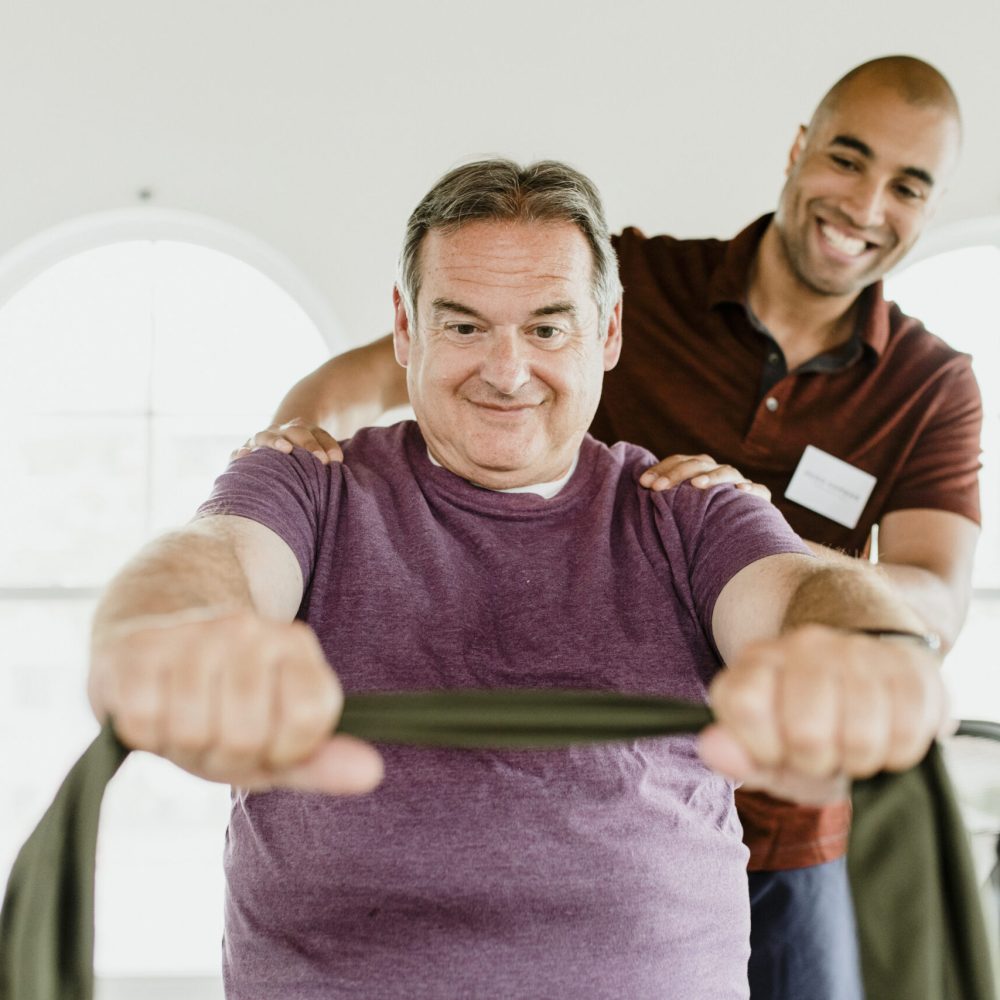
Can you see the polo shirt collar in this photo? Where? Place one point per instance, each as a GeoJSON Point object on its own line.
{"type": "Point", "coordinates": [729, 280]}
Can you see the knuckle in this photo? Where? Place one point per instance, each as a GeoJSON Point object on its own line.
{"type": "Point", "coordinates": [306, 719]}
{"type": "Point", "coordinates": [862, 767]}
{"type": "Point", "coordinates": [189, 740]}
{"type": "Point", "coordinates": [244, 742]}
{"type": "Point", "coordinates": [744, 701]}
{"type": "Point", "coordinates": [909, 736]}
{"type": "Point", "coordinates": [803, 740]}
{"type": "Point", "coordinates": [859, 742]}
{"type": "Point", "coordinates": [137, 723]}
{"type": "Point", "coordinates": [861, 755]}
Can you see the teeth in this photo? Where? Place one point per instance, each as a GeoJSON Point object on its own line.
{"type": "Point", "coordinates": [850, 245]}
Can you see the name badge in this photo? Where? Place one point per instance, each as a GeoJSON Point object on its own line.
{"type": "Point", "coordinates": [830, 487]}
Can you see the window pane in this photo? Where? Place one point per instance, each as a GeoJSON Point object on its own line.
{"type": "Point", "coordinates": [141, 367]}
{"type": "Point", "coordinates": [188, 454]}
{"type": "Point", "coordinates": [952, 294]}
{"type": "Point", "coordinates": [44, 718]}
{"type": "Point", "coordinates": [160, 883]}
{"type": "Point", "coordinates": [228, 339]}
{"type": "Point", "coordinates": [971, 667]}
{"type": "Point", "coordinates": [76, 339]}
{"type": "Point", "coordinates": [75, 506]}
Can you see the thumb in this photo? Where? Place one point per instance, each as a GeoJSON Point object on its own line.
{"type": "Point", "coordinates": [343, 765]}
{"type": "Point", "coordinates": [722, 752]}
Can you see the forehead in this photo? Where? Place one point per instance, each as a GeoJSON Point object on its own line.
{"type": "Point", "coordinates": [515, 262]}
{"type": "Point", "coordinates": [901, 135]}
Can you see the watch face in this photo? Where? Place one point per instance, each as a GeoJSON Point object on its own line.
{"type": "Point", "coordinates": [930, 640]}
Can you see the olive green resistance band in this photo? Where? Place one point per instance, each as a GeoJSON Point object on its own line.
{"type": "Point", "coordinates": [920, 925]}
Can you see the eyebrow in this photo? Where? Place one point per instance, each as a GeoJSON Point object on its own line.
{"type": "Point", "coordinates": [450, 305]}
{"type": "Point", "coordinates": [556, 309]}
{"type": "Point", "coordinates": [852, 142]}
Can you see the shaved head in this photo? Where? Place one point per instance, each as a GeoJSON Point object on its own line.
{"type": "Point", "coordinates": [866, 175]}
{"type": "Point", "coordinates": [915, 81]}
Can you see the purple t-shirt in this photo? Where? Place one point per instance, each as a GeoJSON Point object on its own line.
{"type": "Point", "coordinates": [604, 871]}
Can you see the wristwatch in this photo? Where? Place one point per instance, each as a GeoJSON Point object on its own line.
{"type": "Point", "coordinates": [929, 640]}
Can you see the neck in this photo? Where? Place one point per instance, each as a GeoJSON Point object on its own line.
{"type": "Point", "coordinates": [545, 484]}
{"type": "Point", "coordinates": [804, 322]}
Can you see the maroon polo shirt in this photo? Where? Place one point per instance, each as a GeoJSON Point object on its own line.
{"type": "Point", "coordinates": [698, 373]}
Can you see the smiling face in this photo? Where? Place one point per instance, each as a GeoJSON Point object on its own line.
{"type": "Point", "coordinates": [862, 182]}
{"type": "Point", "coordinates": [505, 358]}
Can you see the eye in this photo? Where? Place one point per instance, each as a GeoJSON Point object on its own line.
{"type": "Point", "coordinates": [548, 337]}
{"type": "Point", "coordinates": [463, 329]}
{"type": "Point", "coordinates": [843, 162]}
{"type": "Point", "coordinates": [908, 192]}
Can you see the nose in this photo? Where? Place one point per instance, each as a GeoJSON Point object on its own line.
{"type": "Point", "coordinates": [505, 365]}
{"type": "Point", "coordinates": [865, 204]}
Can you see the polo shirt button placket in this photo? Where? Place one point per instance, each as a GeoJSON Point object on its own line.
{"type": "Point", "coordinates": [765, 431]}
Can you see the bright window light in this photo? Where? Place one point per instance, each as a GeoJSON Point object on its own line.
{"type": "Point", "coordinates": [953, 294]}
{"type": "Point", "coordinates": [127, 375]}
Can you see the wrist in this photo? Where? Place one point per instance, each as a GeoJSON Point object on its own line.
{"type": "Point", "coordinates": [930, 641]}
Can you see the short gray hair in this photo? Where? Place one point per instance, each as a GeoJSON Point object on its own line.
{"type": "Point", "coordinates": [500, 190]}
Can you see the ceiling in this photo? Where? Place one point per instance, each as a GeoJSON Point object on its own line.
{"type": "Point", "coordinates": [313, 126]}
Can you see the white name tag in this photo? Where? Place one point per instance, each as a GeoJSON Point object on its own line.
{"type": "Point", "coordinates": [830, 487]}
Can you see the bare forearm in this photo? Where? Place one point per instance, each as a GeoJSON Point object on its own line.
{"type": "Point", "coordinates": [348, 392]}
{"type": "Point", "coordinates": [184, 571]}
{"type": "Point", "coordinates": [849, 594]}
{"type": "Point", "coordinates": [940, 606]}
{"type": "Point", "coordinates": [195, 657]}
{"type": "Point", "coordinates": [182, 576]}
{"type": "Point", "coordinates": [819, 699]}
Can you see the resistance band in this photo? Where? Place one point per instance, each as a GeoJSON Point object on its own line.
{"type": "Point", "coordinates": [920, 925]}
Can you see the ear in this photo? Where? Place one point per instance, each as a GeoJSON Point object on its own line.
{"type": "Point", "coordinates": [796, 151]}
{"type": "Point", "coordinates": [613, 340]}
{"type": "Point", "coordinates": [400, 328]}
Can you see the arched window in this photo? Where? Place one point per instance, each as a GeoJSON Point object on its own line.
{"type": "Point", "coordinates": [128, 372]}
{"type": "Point", "coordinates": [951, 286]}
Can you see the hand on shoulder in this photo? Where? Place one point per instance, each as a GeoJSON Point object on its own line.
{"type": "Point", "coordinates": [293, 433]}
{"type": "Point", "coordinates": [701, 471]}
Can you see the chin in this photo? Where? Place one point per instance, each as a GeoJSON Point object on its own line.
{"type": "Point", "coordinates": [835, 285]}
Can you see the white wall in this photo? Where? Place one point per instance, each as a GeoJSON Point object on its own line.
{"type": "Point", "coordinates": [316, 124]}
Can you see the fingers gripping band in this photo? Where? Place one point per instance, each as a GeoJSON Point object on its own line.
{"type": "Point", "coordinates": [920, 925]}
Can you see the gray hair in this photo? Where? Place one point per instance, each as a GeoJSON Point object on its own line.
{"type": "Point", "coordinates": [502, 191]}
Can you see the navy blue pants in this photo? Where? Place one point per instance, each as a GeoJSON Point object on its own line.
{"type": "Point", "coordinates": [803, 944]}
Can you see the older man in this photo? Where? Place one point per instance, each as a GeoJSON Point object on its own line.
{"type": "Point", "coordinates": [493, 543]}
{"type": "Point", "coordinates": [776, 352]}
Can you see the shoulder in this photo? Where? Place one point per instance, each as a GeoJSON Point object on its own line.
{"type": "Point", "coordinates": [382, 448]}
{"type": "Point", "coordinates": [688, 507]}
{"type": "Point", "coordinates": [638, 253]}
{"type": "Point", "coordinates": [919, 367]}
{"type": "Point", "coordinates": [621, 464]}
{"type": "Point", "coordinates": [270, 475]}
{"type": "Point", "coordinates": [265, 473]}
{"type": "Point", "coordinates": [908, 335]}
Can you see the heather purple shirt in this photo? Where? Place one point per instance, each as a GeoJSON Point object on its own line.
{"type": "Point", "coordinates": [610, 871]}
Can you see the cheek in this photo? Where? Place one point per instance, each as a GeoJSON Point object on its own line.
{"type": "Point", "coordinates": [909, 228]}
{"type": "Point", "coordinates": [441, 369]}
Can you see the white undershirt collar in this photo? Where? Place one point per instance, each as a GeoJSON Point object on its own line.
{"type": "Point", "coordinates": [545, 490]}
